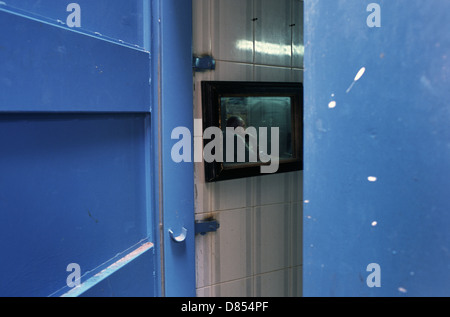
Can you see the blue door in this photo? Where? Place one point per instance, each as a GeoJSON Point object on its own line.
{"type": "Point", "coordinates": [172, 100]}
{"type": "Point", "coordinates": [377, 148]}
{"type": "Point", "coordinates": [87, 202]}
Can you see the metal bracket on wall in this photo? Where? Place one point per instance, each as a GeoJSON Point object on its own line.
{"type": "Point", "coordinates": [203, 63]}
{"type": "Point", "coordinates": [203, 227]}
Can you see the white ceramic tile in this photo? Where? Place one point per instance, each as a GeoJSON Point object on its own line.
{"type": "Point", "coordinates": [272, 238]}
{"type": "Point", "coordinates": [273, 32]}
{"type": "Point", "coordinates": [231, 194]}
{"type": "Point", "coordinates": [205, 292]}
{"type": "Point", "coordinates": [203, 258]}
{"type": "Point", "coordinates": [296, 186]}
{"type": "Point", "coordinates": [272, 189]}
{"type": "Point", "coordinates": [266, 239]}
{"type": "Point", "coordinates": [297, 75]}
{"type": "Point", "coordinates": [272, 73]}
{"type": "Point", "coordinates": [236, 288]}
{"type": "Point", "coordinates": [202, 198]}
{"type": "Point", "coordinates": [232, 71]}
{"type": "Point", "coordinates": [232, 30]}
{"type": "Point", "coordinates": [297, 34]}
{"type": "Point", "coordinates": [296, 281]}
{"type": "Point", "coordinates": [201, 27]}
{"type": "Point", "coordinates": [232, 246]}
{"type": "Point", "coordinates": [296, 234]}
{"type": "Point", "coordinates": [273, 284]}
{"type": "Point", "coordinates": [198, 78]}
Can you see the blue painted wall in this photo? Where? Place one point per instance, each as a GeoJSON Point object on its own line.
{"type": "Point", "coordinates": [377, 150]}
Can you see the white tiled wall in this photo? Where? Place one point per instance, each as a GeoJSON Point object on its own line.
{"type": "Point", "coordinates": [257, 249]}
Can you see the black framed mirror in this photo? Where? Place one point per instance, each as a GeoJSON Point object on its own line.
{"type": "Point", "coordinates": [251, 128]}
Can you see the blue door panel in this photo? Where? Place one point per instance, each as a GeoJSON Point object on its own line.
{"type": "Point", "coordinates": [118, 20]}
{"type": "Point", "coordinates": [48, 68]}
{"type": "Point", "coordinates": [72, 190]}
{"type": "Point", "coordinates": [380, 154]}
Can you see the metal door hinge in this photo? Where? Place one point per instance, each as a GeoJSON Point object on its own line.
{"type": "Point", "coordinates": [203, 227]}
{"type": "Point", "coordinates": [203, 63]}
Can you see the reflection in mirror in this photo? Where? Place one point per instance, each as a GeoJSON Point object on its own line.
{"type": "Point", "coordinates": [253, 113]}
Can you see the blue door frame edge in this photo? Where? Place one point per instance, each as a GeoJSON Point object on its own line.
{"type": "Point", "coordinates": [172, 107]}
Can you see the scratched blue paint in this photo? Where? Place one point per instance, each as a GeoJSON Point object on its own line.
{"type": "Point", "coordinates": [114, 19]}
{"type": "Point", "coordinates": [380, 154]}
{"type": "Point", "coordinates": [93, 284]}
{"type": "Point", "coordinates": [48, 68]}
{"type": "Point", "coordinates": [134, 279]}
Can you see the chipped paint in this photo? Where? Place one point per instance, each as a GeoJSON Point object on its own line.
{"type": "Point", "coordinates": [97, 278]}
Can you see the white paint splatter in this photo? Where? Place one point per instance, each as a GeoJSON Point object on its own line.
{"type": "Point", "coordinates": [360, 74]}
{"type": "Point", "coordinates": [372, 179]}
{"type": "Point", "coordinates": [357, 77]}
{"type": "Point", "coordinates": [374, 223]}
{"type": "Point", "coordinates": [332, 104]}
